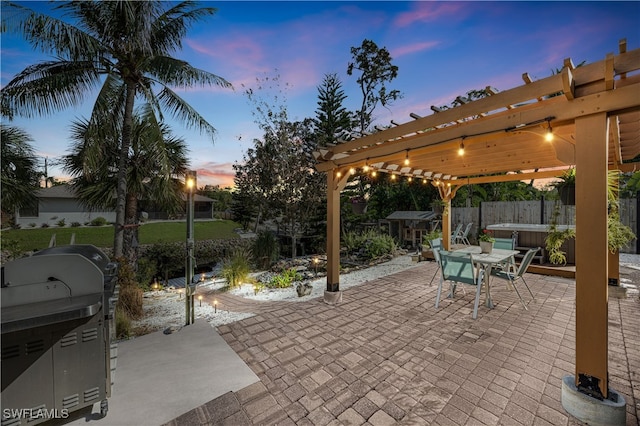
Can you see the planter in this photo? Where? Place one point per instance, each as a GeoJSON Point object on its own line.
{"type": "Point", "coordinates": [568, 195]}
{"type": "Point", "coordinates": [486, 247]}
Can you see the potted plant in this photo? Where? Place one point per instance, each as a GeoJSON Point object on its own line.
{"type": "Point", "coordinates": [486, 241]}
{"type": "Point", "coordinates": [566, 187]}
{"type": "Point", "coordinates": [358, 205]}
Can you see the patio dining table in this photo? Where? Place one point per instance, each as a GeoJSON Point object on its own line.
{"type": "Point", "coordinates": [487, 261]}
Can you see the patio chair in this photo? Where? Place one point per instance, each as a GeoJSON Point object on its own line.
{"type": "Point", "coordinates": [436, 246]}
{"type": "Point", "coordinates": [455, 233]}
{"type": "Point", "coordinates": [504, 243]}
{"type": "Point", "coordinates": [463, 237]}
{"type": "Point", "coordinates": [459, 269]}
{"type": "Point", "coordinates": [512, 276]}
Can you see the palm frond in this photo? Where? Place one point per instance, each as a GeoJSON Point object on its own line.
{"type": "Point", "coordinates": [185, 112]}
{"type": "Point", "coordinates": [171, 26]}
{"type": "Point", "coordinates": [175, 72]}
{"type": "Point", "coordinates": [49, 86]}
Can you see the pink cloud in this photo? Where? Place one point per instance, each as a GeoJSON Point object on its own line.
{"type": "Point", "coordinates": [429, 12]}
{"type": "Point", "coordinates": [412, 48]}
{"type": "Point", "coordinates": [212, 173]}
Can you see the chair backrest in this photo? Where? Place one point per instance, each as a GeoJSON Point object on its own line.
{"type": "Point", "coordinates": [436, 243]}
{"type": "Point", "coordinates": [456, 232]}
{"type": "Point", "coordinates": [467, 229]}
{"type": "Point", "coordinates": [504, 243]}
{"type": "Point", "coordinates": [458, 267]}
{"type": "Point", "coordinates": [526, 261]}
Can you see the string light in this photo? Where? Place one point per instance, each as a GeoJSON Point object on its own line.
{"type": "Point", "coordinates": [393, 177]}
{"type": "Point", "coordinates": [410, 179]}
{"type": "Point", "coordinates": [339, 173]}
{"type": "Point", "coordinates": [352, 171]}
{"type": "Point", "coordinates": [424, 181]}
{"type": "Point", "coordinates": [549, 135]}
{"type": "Point", "coordinates": [461, 149]}
{"type": "Point", "coordinates": [406, 158]}
{"type": "Point", "coordinates": [374, 173]}
{"type": "Point", "coordinates": [366, 166]}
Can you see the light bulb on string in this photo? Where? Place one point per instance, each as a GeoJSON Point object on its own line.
{"type": "Point", "coordinates": [549, 135]}
{"type": "Point", "coordinates": [461, 149]}
{"type": "Point", "coordinates": [406, 158]}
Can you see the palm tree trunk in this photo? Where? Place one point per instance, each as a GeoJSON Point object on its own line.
{"type": "Point", "coordinates": [123, 162]}
{"type": "Point", "coordinates": [130, 250]}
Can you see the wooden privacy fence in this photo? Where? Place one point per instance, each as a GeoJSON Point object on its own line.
{"type": "Point", "coordinates": [536, 212]}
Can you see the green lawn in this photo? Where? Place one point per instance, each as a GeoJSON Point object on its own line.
{"type": "Point", "coordinates": [150, 233]}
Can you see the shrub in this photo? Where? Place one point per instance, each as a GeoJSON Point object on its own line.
{"type": "Point", "coordinates": [75, 224]}
{"type": "Point", "coordinates": [146, 272]}
{"type": "Point", "coordinates": [13, 248]}
{"type": "Point", "coordinates": [168, 259]}
{"type": "Point", "coordinates": [380, 245]}
{"type": "Point", "coordinates": [32, 225]}
{"type": "Point", "coordinates": [61, 223]}
{"type": "Point", "coordinates": [123, 324]}
{"type": "Point", "coordinates": [44, 225]}
{"type": "Point", "coordinates": [285, 278]}
{"type": "Point", "coordinates": [130, 297]}
{"type": "Point", "coordinates": [235, 268]}
{"type": "Point", "coordinates": [370, 243]}
{"type": "Point", "coordinates": [98, 221]}
{"type": "Point", "coordinates": [265, 249]}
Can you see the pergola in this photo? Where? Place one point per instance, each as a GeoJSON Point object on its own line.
{"type": "Point", "coordinates": [593, 112]}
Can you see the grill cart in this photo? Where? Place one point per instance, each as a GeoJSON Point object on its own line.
{"type": "Point", "coordinates": [57, 324]}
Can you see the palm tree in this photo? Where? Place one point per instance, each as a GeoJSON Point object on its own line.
{"type": "Point", "coordinates": [122, 47]}
{"type": "Point", "coordinates": [19, 169]}
{"type": "Point", "coordinates": [156, 159]}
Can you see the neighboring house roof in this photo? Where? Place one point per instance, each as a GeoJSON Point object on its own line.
{"type": "Point", "coordinates": [66, 191]}
{"type": "Point", "coordinates": [411, 215]}
{"type": "Point", "coordinates": [58, 191]}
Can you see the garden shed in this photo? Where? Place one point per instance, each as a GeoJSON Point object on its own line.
{"type": "Point", "coordinates": [408, 227]}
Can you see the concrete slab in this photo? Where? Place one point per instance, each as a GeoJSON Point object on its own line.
{"type": "Point", "coordinates": [161, 376]}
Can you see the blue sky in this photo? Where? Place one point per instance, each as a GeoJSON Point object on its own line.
{"type": "Point", "coordinates": [442, 49]}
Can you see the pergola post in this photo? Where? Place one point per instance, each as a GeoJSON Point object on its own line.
{"type": "Point", "coordinates": [588, 397]}
{"type": "Point", "coordinates": [335, 184]}
{"type": "Point", "coordinates": [591, 254]}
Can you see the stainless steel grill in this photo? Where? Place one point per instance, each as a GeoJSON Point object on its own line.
{"type": "Point", "coordinates": [58, 329]}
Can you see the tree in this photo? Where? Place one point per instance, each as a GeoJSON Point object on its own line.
{"type": "Point", "coordinates": [156, 159]}
{"type": "Point", "coordinates": [122, 46]}
{"type": "Point", "coordinates": [331, 117]}
{"type": "Point", "coordinates": [278, 173]}
{"type": "Point", "coordinates": [19, 169]}
{"type": "Point", "coordinates": [376, 69]}
{"type": "Point", "coordinates": [222, 196]}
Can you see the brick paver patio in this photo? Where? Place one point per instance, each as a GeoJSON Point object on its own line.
{"type": "Point", "coordinates": [387, 356]}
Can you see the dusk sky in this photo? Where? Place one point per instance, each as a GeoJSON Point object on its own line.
{"type": "Point", "coordinates": [442, 49]}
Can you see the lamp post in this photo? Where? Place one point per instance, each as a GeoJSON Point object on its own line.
{"type": "Point", "coordinates": [190, 181]}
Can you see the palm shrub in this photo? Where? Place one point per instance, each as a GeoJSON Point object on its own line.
{"type": "Point", "coordinates": [236, 267]}
{"type": "Point", "coordinates": [265, 249]}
